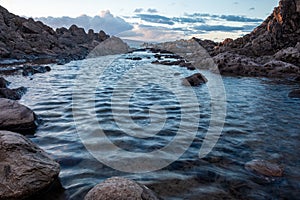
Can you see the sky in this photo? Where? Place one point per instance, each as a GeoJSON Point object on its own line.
{"type": "Point", "coordinates": [151, 20]}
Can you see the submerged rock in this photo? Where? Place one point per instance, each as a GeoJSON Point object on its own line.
{"type": "Point", "coordinates": [264, 168]}
{"type": "Point", "coordinates": [295, 94]}
{"type": "Point", "coordinates": [25, 169]}
{"type": "Point", "coordinates": [118, 188]}
{"type": "Point", "coordinates": [31, 70]}
{"type": "Point", "coordinates": [13, 94]}
{"type": "Point", "coordinates": [16, 117]}
{"type": "Point", "coordinates": [194, 80]}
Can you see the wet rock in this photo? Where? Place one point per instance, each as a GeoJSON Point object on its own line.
{"type": "Point", "coordinates": [3, 83]}
{"type": "Point", "coordinates": [120, 188]}
{"type": "Point", "coordinates": [194, 80]}
{"type": "Point", "coordinates": [13, 94]}
{"type": "Point", "coordinates": [295, 94]}
{"type": "Point", "coordinates": [25, 169]}
{"type": "Point", "coordinates": [264, 168]}
{"type": "Point", "coordinates": [31, 70]}
{"type": "Point", "coordinates": [134, 58]}
{"type": "Point", "coordinates": [16, 117]}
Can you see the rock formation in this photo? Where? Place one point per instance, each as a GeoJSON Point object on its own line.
{"type": "Point", "coordinates": [120, 188]}
{"type": "Point", "coordinates": [25, 169]}
{"type": "Point", "coordinates": [29, 40]}
{"type": "Point", "coordinates": [16, 117]}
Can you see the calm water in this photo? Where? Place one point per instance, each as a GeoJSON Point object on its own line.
{"type": "Point", "coordinates": [261, 123]}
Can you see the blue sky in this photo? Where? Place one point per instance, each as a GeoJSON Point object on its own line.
{"type": "Point", "coordinates": [211, 19]}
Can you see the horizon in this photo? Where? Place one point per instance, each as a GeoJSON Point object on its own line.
{"type": "Point", "coordinates": [151, 21]}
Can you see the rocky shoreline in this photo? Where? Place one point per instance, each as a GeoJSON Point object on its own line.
{"type": "Point", "coordinates": [271, 50]}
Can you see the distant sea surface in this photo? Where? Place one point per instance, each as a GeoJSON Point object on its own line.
{"type": "Point", "coordinates": [261, 123]}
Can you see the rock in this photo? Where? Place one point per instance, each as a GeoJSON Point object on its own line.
{"type": "Point", "coordinates": [194, 80]}
{"type": "Point", "coordinates": [110, 46]}
{"type": "Point", "coordinates": [290, 55]}
{"type": "Point", "coordinates": [31, 40]}
{"type": "Point", "coordinates": [134, 58]}
{"type": "Point", "coordinates": [264, 168]}
{"type": "Point", "coordinates": [16, 117]}
{"type": "Point", "coordinates": [118, 188]}
{"type": "Point", "coordinates": [3, 83]}
{"type": "Point", "coordinates": [25, 169]}
{"type": "Point", "coordinates": [31, 70]}
{"type": "Point", "coordinates": [13, 94]}
{"type": "Point", "coordinates": [295, 94]}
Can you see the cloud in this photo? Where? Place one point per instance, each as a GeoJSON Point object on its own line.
{"type": "Point", "coordinates": [252, 8]}
{"type": "Point", "coordinates": [104, 21]}
{"type": "Point", "coordinates": [152, 10]}
{"type": "Point", "coordinates": [138, 10]}
{"type": "Point", "coordinates": [156, 19]}
{"type": "Point", "coordinates": [237, 18]}
{"type": "Point", "coordinates": [184, 20]}
{"type": "Point", "coordinates": [218, 28]}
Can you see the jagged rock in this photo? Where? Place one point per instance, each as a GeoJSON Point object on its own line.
{"type": "Point", "coordinates": [118, 188]}
{"type": "Point", "coordinates": [16, 117]}
{"type": "Point", "coordinates": [290, 55]}
{"type": "Point", "coordinates": [294, 94]}
{"type": "Point", "coordinates": [264, 168]}
{"type": "Point", "coordinates": [110, 46]}
{"type": "Point", "coordinates": [194, 80]}
{"type": "Point", "coordinates": [25, 169]}
{"type": "Point", "coordinates": [13, 94]}
{"type": "Point", "coordinates": [3, 83]}
{"type": "Point", "coordinates": [30, 40]}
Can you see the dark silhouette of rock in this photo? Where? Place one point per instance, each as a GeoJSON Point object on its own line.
{"type": "Point", "coordinates": [194, 80]}
{"type": "Point", "coordinates": [13, 94]}
{"type": "Point", "coordinates": [25, 169]}
{"type": "Point", "coordinates": [295, 94]}
{"type": "Point", "coordinates": [264, 168]}
{"type": "Point", "coordinates": [31, 70]}
{"type": "Point", "coordinates": [31, 40]}
{"type": "Point", "coordinates": [3, 83]}
{"type": "Point", "coordinates": [16, 117]}
{"type": "Point", "coordinates": [120, 188]}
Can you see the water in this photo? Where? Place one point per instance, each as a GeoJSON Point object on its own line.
{"type": "Point", "coordinates": [261, 123]}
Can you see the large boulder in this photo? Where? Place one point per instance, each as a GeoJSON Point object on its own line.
{"type": "Point", "coordinates": [118, 188]}
{"type": "Point", "coordinates": [110, 46]}
{"type": "Point", "coordinates": [295, 94]}
{"type": "Point", "coordinates": [25, 169]}
{"type": "Point", "coordinates": [16, 117]}
{"type": "Point", "coordinates": [194, 80]}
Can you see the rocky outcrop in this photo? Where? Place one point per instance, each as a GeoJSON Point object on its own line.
{"type": "Point", "coordinates": [265, 168]}
{"type": "Point", "coordinates": [13, 94]}
{"type": "Point", "coordinates": [25, 169]}
{"type": "Point", "coordinates": [16, 117]}
{"type": "Point", "coordinates": [194, 80]}
{"type": "Point", "coordinates": [3, 83]}
{"type": "Point", "coordinates": [110, 46]}
{"type": "Point", "coordinates": [120, 188]}
{"type": "Point", "coordinates": [29, 40]}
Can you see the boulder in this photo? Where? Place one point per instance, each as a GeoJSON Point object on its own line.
{"type": "Point", "coordinates": [16, 117]}
{"type": "Point", "coordinates": [295, 94]}
{"type": "Point", "coordinates": [31, 70]}
{"type": "Point", "coordinates": [118, 188]}
{"type": "Point", "coordinates": [265, 168]}
{"type": "Point", "coordinates": [25, 169]}
{"type": "Point", "coordinates": [13, 94]}
{"type": "Point", "coordinates": [110, 46]}
{"type": "Point", "coordinates": [3, 83]}
{"type": "Point", "coordinates": [194, 80]}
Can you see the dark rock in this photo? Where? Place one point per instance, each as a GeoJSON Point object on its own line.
{"type": "Point", "coordinates": [25, 169]}
{"type": "Point", "coordinates": [13, 94]}
{"type": "Point", "coordinates": [194, 80]}
{"type": "Point", "coordinates": [3, 83]}
{"type": "Point", "coordinates": [295, 94]}
{"type": "Point", "coordinates": [31, 40]}
{"type": "Point", "coordinates": [16, 117]}
{"type": "Point", "coordinates": [264, 168]}
{"type": "Point", "coordinates": [120, 188]}
{"type": "Point", "coordinates": [31, 70]}
{"type": "Point", "coordinates": [134, 58]}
